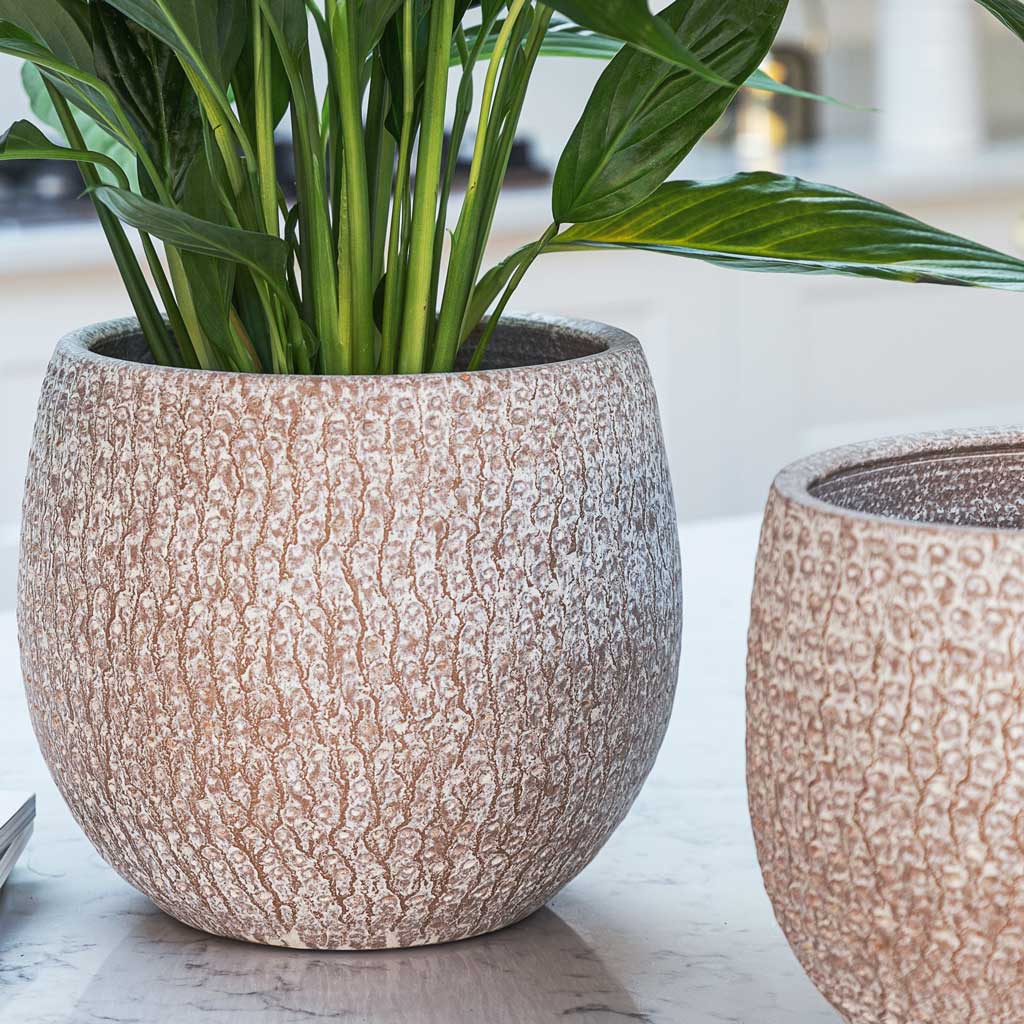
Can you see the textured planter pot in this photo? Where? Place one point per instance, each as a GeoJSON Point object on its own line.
{"type": "Point", "coordinates": [351, 662]}
{"type": "Point", "coordinates": [886, 725]}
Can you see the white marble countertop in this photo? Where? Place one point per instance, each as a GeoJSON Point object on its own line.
{"type": "Point", "coordinates": [669, 925]}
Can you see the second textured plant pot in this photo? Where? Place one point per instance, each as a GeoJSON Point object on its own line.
{"type": "Point", "coordinates": [351, 662]}
{"type": "Point", "coordinates": [886, 725]}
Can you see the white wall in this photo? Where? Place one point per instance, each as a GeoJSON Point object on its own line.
{"type": "Point", "coordinates": [13, 103]}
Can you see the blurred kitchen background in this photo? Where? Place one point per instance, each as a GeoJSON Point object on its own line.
{"type": "Point", "coordinates": [752, 370]}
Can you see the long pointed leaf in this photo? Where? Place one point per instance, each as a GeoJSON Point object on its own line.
{"type": "Point", "coordinates": [564, 39]}
{"type": "Point", "coordinates": [1009, 12]}
{"type": "Point", "coordinates": [209, 34]}
{"type": "Point", "coordinates": [645, 116]}
{"type": "Point", "coordinates": [62, 26]}
{"type": "Point", "coordinates": [767, 222]}
{"type": "Point", "coordinates": [153, 90]}
{"type": "Point", "coordinates": [633, 23]}
{"type": "Point", "coordinates": [97, 139]}
{"type": "Point", "coordinates": [24, 141]}
{"type": "Point", "coordinates": [263, 254]}
{"type": "Point", "coordinates": [763, 82]}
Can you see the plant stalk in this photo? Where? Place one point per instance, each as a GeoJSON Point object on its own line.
{"type": "Point", "coordinates": [459, 283]}
{"type": "Point", "coordinates": [418, 315]}
{"type": "Point", "coordinates": [152, 323]}
{"type": "Point", "coordinates": [356, 257]}
{"type": "Point", "coordinates": [395, 280]}
{"type": "Point", "coordinates": [263, 89]}
{"type": "Point", "coordinates": [517, 279]}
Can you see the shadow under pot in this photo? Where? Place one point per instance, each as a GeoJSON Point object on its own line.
{"type": "Point", "coordinates": [351, 662]}
{"type": "Point", "coordinates": [886, 725]}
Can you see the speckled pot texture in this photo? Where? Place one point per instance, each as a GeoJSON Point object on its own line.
{"type": "Point", "coordinates": [886, 725]}
{"type": "Point", "coordinates": [351, 663]}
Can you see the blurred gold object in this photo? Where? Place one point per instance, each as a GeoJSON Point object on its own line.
{"type": "Point", "coordinates": [762, 131]}
{"type": "Point", "coordinates": [767, 122]}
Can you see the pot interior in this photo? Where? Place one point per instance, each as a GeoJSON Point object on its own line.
{"type": "Point", "coordinates": [515, 344]}
{"type": "Point", "coordinates": [978, 487]}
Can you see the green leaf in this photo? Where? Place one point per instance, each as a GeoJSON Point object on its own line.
{"type": "Point", "coordinates": [61, 26]}
{"type": "Point", "coordinates": [97, 139]}
{"type": "Point", "coordinates": [632, 22]}
{"type": "Point", "coordinates": [645, 116]}
{"type": "Point", "coordinates": [490, 286]}
{"type": "Point", "coordinates": [80, 87]}
{"type": "Point", "coordinates": [291, 16]}
{"type": "Point", "coordinates": [154, 92]}
{"type": "Point", "coordinates": [208, 34]}
{"type": "Point", "coordinates": [763, 82]}
{"type": "Point", "coordinates": [265, 255]}
{"type": "Point", "coordinates": [564, 39]}
{"type": "Point", "coordinates": [24, 141]}
{"type": "Point", "coordinates": [767, 222]}
{"type": "Point", "coordinates": [1009, 12]}
{"type": "Point", "coordinates": [373, 20]}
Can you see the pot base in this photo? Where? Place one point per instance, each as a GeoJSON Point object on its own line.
{"type": "Point", "coordinates": [297, 942]}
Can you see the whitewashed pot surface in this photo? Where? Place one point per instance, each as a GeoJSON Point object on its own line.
{"type": "Point", "coordinates": [351, 662]}
{"type": "Point", "coordinates": [886, 725]}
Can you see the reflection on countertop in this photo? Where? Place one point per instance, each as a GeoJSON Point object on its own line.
{"type": "Point", "coordinates": [540, 969]}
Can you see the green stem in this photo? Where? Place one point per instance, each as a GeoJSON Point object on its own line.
{"type": "Point", "coordinates": [463, 111]}
{"type": "Point", "coordinates": [153, 328]}
{"type": "Point", "coordinates": [205, 354]}
{"type": "Point", "coordinates": [178, 327]}
{"type": "Point", "coordinates": [381, 149]}
{"type": "Point", "coordinates": [279, 347]}
{"type": "Point", "coordinates": [300, 352]}
{"type": "Point", "coordinates": [428, 176]}
{"type": "Point", "coordinates": [319, 283]}
{"type": "Point", "coordinates": [263, 88]}
{"type": "Point", "coordinates": [459, 283]}
{"type": "Point", "coordinates": [356, 258]}
{"type": "Point", "coordinates": [394, 285]}
{"type": "Point", "coordinates": [498, 164]}
{"type": "Point", "coordinates": [517, 278]}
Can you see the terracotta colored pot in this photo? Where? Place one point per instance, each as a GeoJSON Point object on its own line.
{"type": "Point", "coordinates": [351, 662]}
{"type": "Point", "coordinates": [886, 725]}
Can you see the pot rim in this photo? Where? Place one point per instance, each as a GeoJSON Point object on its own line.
{"type": "Point", "coordinates": [795, 482]}
{"type": "Point", "coordinates": [80, 344]}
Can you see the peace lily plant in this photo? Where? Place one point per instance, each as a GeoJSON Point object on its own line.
{"type": "Point", "coordinates": [337, 663]}
{"type": "Point", "coordinates": [170, 107]}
